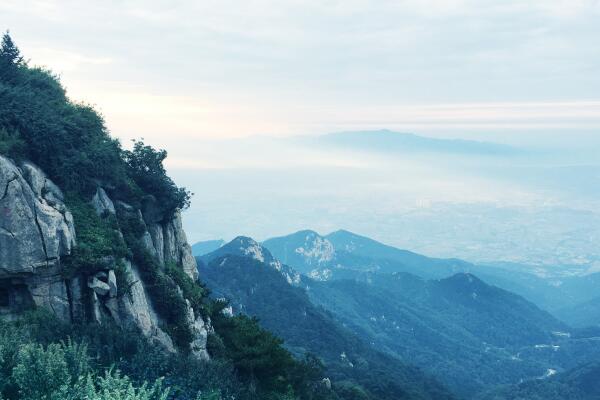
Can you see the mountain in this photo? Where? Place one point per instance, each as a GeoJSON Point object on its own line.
{"type": "Point", "coordinates": [580, 383]}
{"type": "Point", "coordinates": [496, 337]}
{"type": "Point", "coordinates": [243, 246]}
{"type": "Point", "coordinates": [392, 142]}
{"type": "Point", "coordinates": [343, 254]}
{"type": "Point", "coordinates": [583, 314]}
{"type": "Point", "coordinates": [468, 334]}
{"type": "Point", "coordinates": [204, 247]}
{"type": "Point", "coordinates": [346, 255]}
{"type": "Point", "coordinates": [249, 279]}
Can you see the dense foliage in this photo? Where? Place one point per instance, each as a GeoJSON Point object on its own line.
{"type": "Point", "coordinates": [41, 358]}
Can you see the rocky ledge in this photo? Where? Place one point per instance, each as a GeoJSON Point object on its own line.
{"type": "Point", "coordinates": [37, 231]}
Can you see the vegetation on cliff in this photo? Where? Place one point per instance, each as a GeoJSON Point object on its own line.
{"type": "Point", "coordinates": [42, 358]}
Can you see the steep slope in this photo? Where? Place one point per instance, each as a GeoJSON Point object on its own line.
{"type": "Point", "coordinates": [40, 259]}
{"type": "Point", "coordinates": [255, 287]}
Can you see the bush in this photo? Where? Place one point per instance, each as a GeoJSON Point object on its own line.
{"type": "Point", "coordinates": [98, 240]}
{"type": "Point", "coordinates": [41, 373]}
{"type": "Point", "coordinates": [192, 291]}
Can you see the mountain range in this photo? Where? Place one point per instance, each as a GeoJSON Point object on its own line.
{"type": "Point", "coordinates": [388, 141]}
{"type": "Point", "coordinates": [255, 284]}
{"type": "Point", "coordinates": [426, 312]}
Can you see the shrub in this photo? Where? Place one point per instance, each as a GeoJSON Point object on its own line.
{"type": "Point", "coordinates": [40, 373]}
{"type": "Point", "coordinates": [192, 291]}
{"type": "Point", "coordinates": [98, 240]}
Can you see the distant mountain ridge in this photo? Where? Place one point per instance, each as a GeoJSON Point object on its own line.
{"type": "Point", "coordinates": [385, 140]}
{"type": "Point", "coordinates": [343, 254]}
{"type": "Point", "coordinates": [205, 247]}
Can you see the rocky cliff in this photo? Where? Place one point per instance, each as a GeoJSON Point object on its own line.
{"type": "Point", "coordinates": [37, 232]}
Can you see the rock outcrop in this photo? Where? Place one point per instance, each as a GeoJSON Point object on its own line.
{"type": "Point", "coordinates": [37, 231]}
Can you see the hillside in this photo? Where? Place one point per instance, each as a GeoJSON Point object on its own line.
{"type": "Point", "coordinates": [343, 254]}
{"type": "Point", "coordinates": [257, 288]}
{"type": "Point", "coordinates": [580, 383]}
{"type": "Point", "coordinates": [495, 336]}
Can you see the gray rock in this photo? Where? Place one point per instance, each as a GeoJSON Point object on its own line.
{"type": "Point", "coordinates": [99, 287]}
{"type": "Point", "coordinates": [32, 232]}
{"type": "Point", "coordinates": [200, 331]}
{"type": "Point", "coordinates": [112, 283]}
{"type": "Point", "coordinates": [156, 233]}
{"type": "Point", "coordinates": [34, 177]}
{"type": "Point", "coordinates": [137, 311]}
{"type": "Point", "coordinates": [102, 203]}
{"type": "Point", "coordinates": [185, 257]}
{"type": "Point", "coordinates": [96, 313]}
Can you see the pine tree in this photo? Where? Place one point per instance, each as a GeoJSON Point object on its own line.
{"type": "Point", "coordinates": [10, 59]}
{"type": "Point", "coordinates": [9, 52]}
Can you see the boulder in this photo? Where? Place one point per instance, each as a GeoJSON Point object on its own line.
{"type": "Point", "coordinates": [99, 287]}
{"type": "Point", "coordinates": [102, 203]}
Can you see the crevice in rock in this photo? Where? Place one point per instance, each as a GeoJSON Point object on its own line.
{"type": "Point", "coordinates": [14, 178]}
{"type": "Point", "coordinates": [7, 231]}
{"type": "Point", "coordinates": [42, 238]}
{"type": "Point", "coordinates": [69, 299]}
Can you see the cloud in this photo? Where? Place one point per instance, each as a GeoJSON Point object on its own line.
{"type": "Point", "coordinates": [230, 68]}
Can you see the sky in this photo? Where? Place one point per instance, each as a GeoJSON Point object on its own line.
{"type": "Point", "coordinates": [226, 86]}
{"type": "Point", "coordinates": [183, 70]}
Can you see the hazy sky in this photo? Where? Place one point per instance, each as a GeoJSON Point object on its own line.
{"type": "Point", "coordinates": [182, 73]}
{"type": "Point", "coordinates": [172, 70]}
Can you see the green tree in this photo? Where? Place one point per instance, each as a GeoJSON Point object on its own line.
{"type": "Point", "coordinates": [9, 52]}
{"type": "Point", "coordinates": [146, 168]}
{"type": "Point", "coordinates": [41, 373]}
{"type": "Point", "coordinates": [10, 58]}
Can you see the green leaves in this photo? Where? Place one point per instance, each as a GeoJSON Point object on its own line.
{"type": "Point", "coordinates": [146, 168]}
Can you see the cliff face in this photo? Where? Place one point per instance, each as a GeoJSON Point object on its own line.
{"type": "Point", "coordinates": [37, 231]}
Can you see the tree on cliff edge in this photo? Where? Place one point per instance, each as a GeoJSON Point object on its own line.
{"type": "Point", "coordinates": [10, 58]}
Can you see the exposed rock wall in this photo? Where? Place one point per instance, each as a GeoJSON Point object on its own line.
{"type": "Point", "coordinates": [36, 230]}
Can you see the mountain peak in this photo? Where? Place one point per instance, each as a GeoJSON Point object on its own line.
{"type": "Point", "coordinates": [247, 247]}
